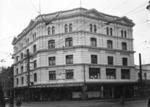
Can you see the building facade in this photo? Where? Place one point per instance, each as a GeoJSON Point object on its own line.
{"type": "Point", "coordinates": [6, 80]}
{"type": "Point", "coordinates": [75, 52]}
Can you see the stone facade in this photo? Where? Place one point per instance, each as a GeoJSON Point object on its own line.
{"type": "Point", "coordinates": [77, 46]}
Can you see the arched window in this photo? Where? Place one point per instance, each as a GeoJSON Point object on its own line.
{"type": "Point", "coordinates": [68, 42]}
{"type": "Point", "coordinates": [53, 30]}
{"type": "Point", "coordinates": [48, 30]}
{"type": "Point", "coordinates": [66, 28]}
{"type": "Point", "coordinates": [95, 29]}
{"type": "Point", "coordinates": [51, 44]}
{"type": "Point", "coordinates": [93, 42]}
{"type": "Point", "coordinates": [121, 33]}
{"type": "Point", "coordinates": [111, 31]}
{"type": "Point", "coordinates": [109, 44]}
{"type": "Point", "coordinates": [107, 31]}
{"type": "Point", "coordinates": [91, 28]}
{"type": "Point", "coordinates": [125, 34]}
{"type": "Point", "coordinates": [70, 27]}
{"type": "Point", "coordinates": [124, 46]}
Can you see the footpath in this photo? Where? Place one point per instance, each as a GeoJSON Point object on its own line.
{"type": "Point", "coordinates": [88, 103]}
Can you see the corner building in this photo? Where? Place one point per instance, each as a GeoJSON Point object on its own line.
{"type": "Point", "coordinates": [75, 52]}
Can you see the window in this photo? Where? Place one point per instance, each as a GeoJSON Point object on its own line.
{"type": "Point", "coordinates": [145, 76]}
{"type": "Point", "coordinates": [125, 74]}
{"type": "Point", "coordinates": [51, 61]}
{"type": "Point", "coordinates": [107, 31]}
{"type": "Point", "coordinates": [34, 48]}
{"type": "Point", "coordinates": [22, 69]}
{"type": "Point", "coordinates": [111, 31]}
{"type": "Point", "coordinates": [21, 55]}
{"type": "Point", "coordinates": [110, 73]}
{"type": "Point", "coordinates": [69, 59]}
{"type": "Point", "coordinates": [70, 27]}
{"type": "Point", "coordinates": [53, 30]}
{"type": "Point", "coordinates": [93, 42]}
{"type": "Point", "coordinates": [109, 44]}
{"type": "Point", "coordinates": [51, 44]}
{"type": "Point", "coordinates": [124, 46]}
{"type": "Point", "coordinates": [110, 60]}
{"type": "Point", "coordinates": [34, 36]}
{"type": "Point", "coordinates": [94, 73]}
{"type": "Point", "coordinates": [35, 77]}
{"type": "Point", "coordinates": [16, 71]}
{"type": "Point", "coordinates": [91, 28]}
{"type": "Point", "coordinates": [48, 30]}
{"type": "Point", "coordinates": [52, 75]}
{"type": "Point", "coordinates": [68, 42]}
{"type": "Point", "coordinates": [95, 29]}
{"type": "Point", "coordinates": [66, 28]}
{"type": "Point", "coordinates": [17, 58]}
{"type": "Point", "coordinates": [27, 40]}
{"type": "Point", "coordinates": [34, 64]}
{"type": "Point", "coordinates": [124, 61]}
{"type": "Point", "coordinates": [123, 34]}
{"type": "Point", "coordinates": [69, 74]}
{"type": "Point", "coordinates": [22, 80]}
{"type": "Point", "coordinates": [17, 81]}
{"type": "Point", "coordinates": [94, 59]}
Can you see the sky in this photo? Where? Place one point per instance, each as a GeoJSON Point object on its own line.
{"type": "Point", "coordinates": [15, 16]}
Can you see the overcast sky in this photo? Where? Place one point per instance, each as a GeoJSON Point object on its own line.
{"type": "Point", "coordinates": [15, 15]}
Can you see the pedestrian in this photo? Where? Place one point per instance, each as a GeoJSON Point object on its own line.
{"type": "Point", "coordinates": [122, 100]}
{"type": "Point", "coordinates": [11, 102]}
{"type": "Point", "coordinates": [148, 102]}
{"type": "Point", "coordinates": [18, 102]}
{"type": "Point", "coordinates": [2, 100]}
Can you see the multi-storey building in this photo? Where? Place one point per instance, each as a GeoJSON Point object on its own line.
{"type": "Point", "coordinates": [75, 52]}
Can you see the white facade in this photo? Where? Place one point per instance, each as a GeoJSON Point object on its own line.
{"type": "Point", "coordinates": [81, 50]}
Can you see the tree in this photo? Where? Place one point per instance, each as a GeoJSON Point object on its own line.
{"type": "Point", "coordinates": [2, 100]}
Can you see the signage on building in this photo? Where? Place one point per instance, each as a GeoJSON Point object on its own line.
{"type": "Point", "coordinates": [60, 74]}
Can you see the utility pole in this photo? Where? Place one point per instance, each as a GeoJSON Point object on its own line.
{"type": "Point", "coordinates": [28, 76]}
{"type": "Point", "coordinates": [140, 67]}
{"type": "Point", "coordinates": [140, 63]}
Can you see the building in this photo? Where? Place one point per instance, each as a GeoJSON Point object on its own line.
{"type": "Point", "coordinates": [75, 52]}
{"type": "Point", "coordinates": [6, 80]}
{"type": "Point", "coordinates": [145, 78]}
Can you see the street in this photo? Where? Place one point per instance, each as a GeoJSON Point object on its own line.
{"type": "Point", "coordinates": [91, 103]}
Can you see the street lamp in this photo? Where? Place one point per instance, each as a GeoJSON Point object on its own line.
{"type": "Point", "coordinates": [148, 7]}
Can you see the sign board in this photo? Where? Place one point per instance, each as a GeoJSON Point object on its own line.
{"type": "Point", "coordinates": [60, 74]}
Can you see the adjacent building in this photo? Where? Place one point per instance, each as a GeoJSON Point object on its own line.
{"type": "Point", "coordinates": [75, 52]}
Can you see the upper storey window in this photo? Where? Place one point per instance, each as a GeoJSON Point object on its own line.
{"type": "Point", "coordinates": [66, 28]}
{"type": "Point", "coordinates": [48, 30]}
{"type": "Point", "coordinates": [34, 48]}
{"type": "Point", "coordinates": [34, 36]}
{"type": "Point", "coordinates": [53, 30]}
{"type": "Point", "coordinates": [27, 40]}
{"type": "Point", "coordinates": [51, 44]}
{"type": "Point", "coordinates": [93, 42]}
{"type": "Point", "coordinates": [124, 46]}
{"type": "Point", "coordinates": [109, 44]}
{"type": "Point", "coordinates": [93, 28]}
{"type": "Point", "coordinates": [68, 42]}
{"type": "Point", "coordinates": [109, 31]}
{"type": "Point", "coordinates": [123, 34]}
{"type": "Point", "coordinates": [70, 27]}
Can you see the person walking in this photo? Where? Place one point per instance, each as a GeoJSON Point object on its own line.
{"type": "Point", "coordinates": [18, 102]}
